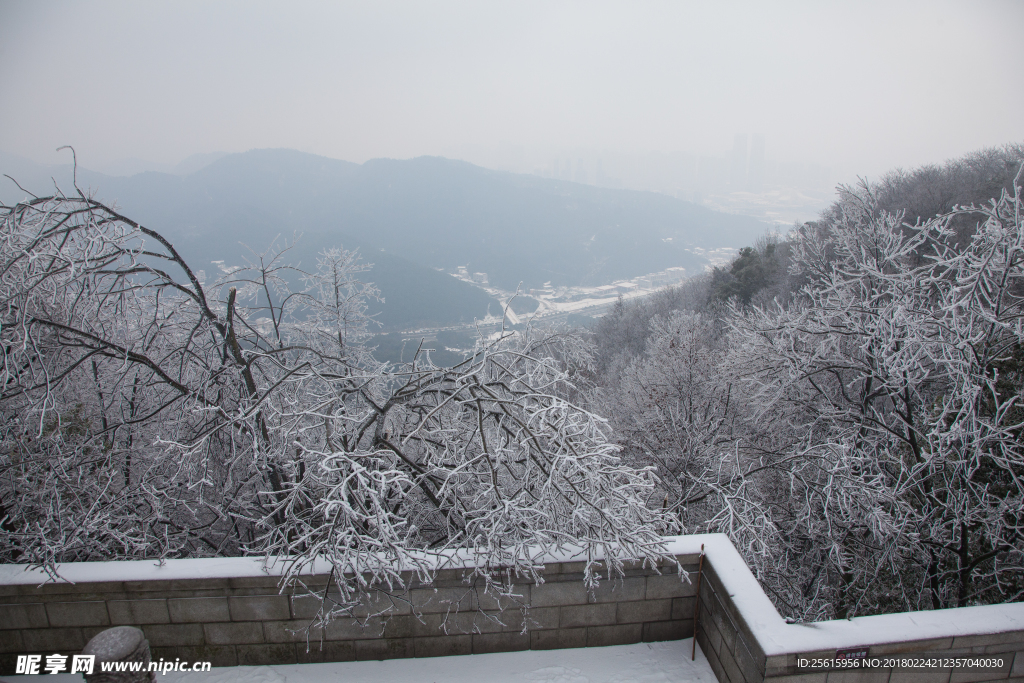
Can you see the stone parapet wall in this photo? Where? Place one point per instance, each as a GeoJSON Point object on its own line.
{"type": "Point", "coordinates": [746, 641]}
{"type": "Point", "coordinates": [246, 621]}
{"type": "Point", "coordinates": [724, 636]}
{"type": "Point", "coordinates": [230, 612]}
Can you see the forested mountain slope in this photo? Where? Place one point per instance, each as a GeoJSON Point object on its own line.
{"type": "Point", "coordinates": [846, 404]}
{"type": "Point", "coordinates": [411, 218]}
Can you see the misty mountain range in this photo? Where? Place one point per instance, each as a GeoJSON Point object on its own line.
{"type": "Point", "coordinates": [414, 220]}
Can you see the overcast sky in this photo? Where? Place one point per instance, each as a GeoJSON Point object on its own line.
{"type": "Point", "coordinates": [863, 86]}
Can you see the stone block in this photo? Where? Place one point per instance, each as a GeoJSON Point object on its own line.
{"type": "Point", "coordinates": [669, 586]}
{"type": "Point", "coordinates": [500, 642]}
{"type": "Point", "coordinates": [707, 626]}
{"type": "Point", "coordinates": [266, 654]}
{"type": "Point", "coordinates": [682, 608]}
{"type": "Point", "coordinates": [450, 576]}
{"type": "Point", "coordinates": [11, 641]}
{"type": "Point", "coordinates": [187, 586]}
{"type": "Point", "coordinates": [443, 646]}
{"type": "Point", "coordinates": [709, 653]}
{"type": "Point", "coordinates": [915, 676]}
{"type": "Point", "coordinates": [381, 648]}
{"type": "Point", "coordinates": [353, 629]}
{"type": "Point", "coordinates": [399, 626]}
{"type": "Point", "coordinates": [327, 651]}
{"type": "Point", "coordinates": [1017, 668]}
{"type": "Point", "coordinates": [780, 665]}
{"type": "Point", "coordinates": [30, 615]}
{"type": "Point", "coordinates": [491, 601]}
{"type": "Point", "coordinates": [91, 613]}
{"type": "Point", "coordinates": [620, 634]}
{"type": "Point", "coordinates": [974, 675]}
{"type": "Point", "coordinates": [233, 633]}
{"type": "Point", "coordinates": [293, 631]}
{"type": "Point", "coordinates": [176, 594]}
{"type": "Point", "coordinates": [542, 617]}
{"type": "Point", "coordinates": [732, 668]}
{"type": "Point", "coordinates": [515, 620]}
{"type": "Point", "coordinates": [1001, 648]}
{"type": "Point", "coordinates": [316, 582]}
{"type": "Point", "coordinates": [9, 662]}
{"type": "Point", "coordinates": [726, 628]}
{"type": "Point", "coordinates": [587, 615]}
{"type": "Point", "coordinates": [657, 631]}
{"type": "Point", "coordinates": [748, 665]}
{"type": "Point", "coordinates": [305, 606]}
{"type": "Point", "coordinates": [708, 596]}
{"type": "Point", "coordinates": [79, 590]}
{"type": "Point", "coordinates": [557, 594]}
{"type": "Point", "coordinates": [269, 584]}
{"type": "Point", "coordinates": [645, 610]}
{"type": "Point", "coordinates": [383, 602]}
{"type": "Point", "coordinates": [428, 600]}
{"type": "Point", "coordinates": [53, 640]}
{"type": "Point", "coordinates": [989, 639]}
{"type": "Point", "coordinates": [198, 610]}
{"type": "Point", "coordinates": [259, 607]}
{"type": "Point", "coordinates": [558, 639]}
{"type": "Point", "coordinates": [172, 635]}
{"type": "Point", "coordinates": [725, 605]}
{"type": "Point", "coordinates": [431, 625]}
{"type": "Point", "coordinates": [136, 612]}
{"type": "Point", "coordinates": [857, 676]}
{"type": "Point", "coordinates": [620, 590]}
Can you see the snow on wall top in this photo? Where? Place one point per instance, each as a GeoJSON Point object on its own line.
{"type": "Point", "coordinates": [776, 637]}
{"type": "Point", "coordinates": [238, 567]}
{"type": "Point", "coordinates": [773, 634]}
{"type": "Point", "coordinates": [137, 570]}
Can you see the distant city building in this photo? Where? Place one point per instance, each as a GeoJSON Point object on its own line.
{"type": "Point", "coordinates": [581, 172]}
{"type": "Point", "coordinates": [755, 168]}
{"type": "Point", "coordinates": [738, 165]}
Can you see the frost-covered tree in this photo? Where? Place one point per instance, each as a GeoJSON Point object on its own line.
{"type": "Point", "coordinates": [146, 412]}
{"type": "Point", "coordinates": [673, 408]}
{"type": "Point", "coordinates": [896, 360]}
{"type": "Point", "coordinates": [861, 442]}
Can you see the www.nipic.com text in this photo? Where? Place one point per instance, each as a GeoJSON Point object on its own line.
{"type": "Point", "coordinates": [55, 664]}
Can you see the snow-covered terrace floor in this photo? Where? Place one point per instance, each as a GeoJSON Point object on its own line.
{"type": "Point", "coordinates": [666, 662]}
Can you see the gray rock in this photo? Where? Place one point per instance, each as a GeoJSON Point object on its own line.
{"type": "Point", "coordinates": [119, 644]}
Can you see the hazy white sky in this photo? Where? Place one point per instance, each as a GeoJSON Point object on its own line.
{"type": "Point", "coordinates": [857, 85]}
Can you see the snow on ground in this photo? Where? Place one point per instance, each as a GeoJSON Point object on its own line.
{"type": "Point", "coordinates": [641, 663]}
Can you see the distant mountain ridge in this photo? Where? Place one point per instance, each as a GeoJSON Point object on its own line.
{"type": "Point", "coordinates": [412, 219]}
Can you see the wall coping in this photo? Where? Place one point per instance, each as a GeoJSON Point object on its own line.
{"type": "Point", "coordinates": [772, 633]}
{"type": "Point", "coordinates": [776, 637]}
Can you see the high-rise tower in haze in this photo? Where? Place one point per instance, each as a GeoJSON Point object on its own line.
{"type": "Point", "coordinates": [755, 169]}
{"type": "Point", "coordinates": [738, 166]}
